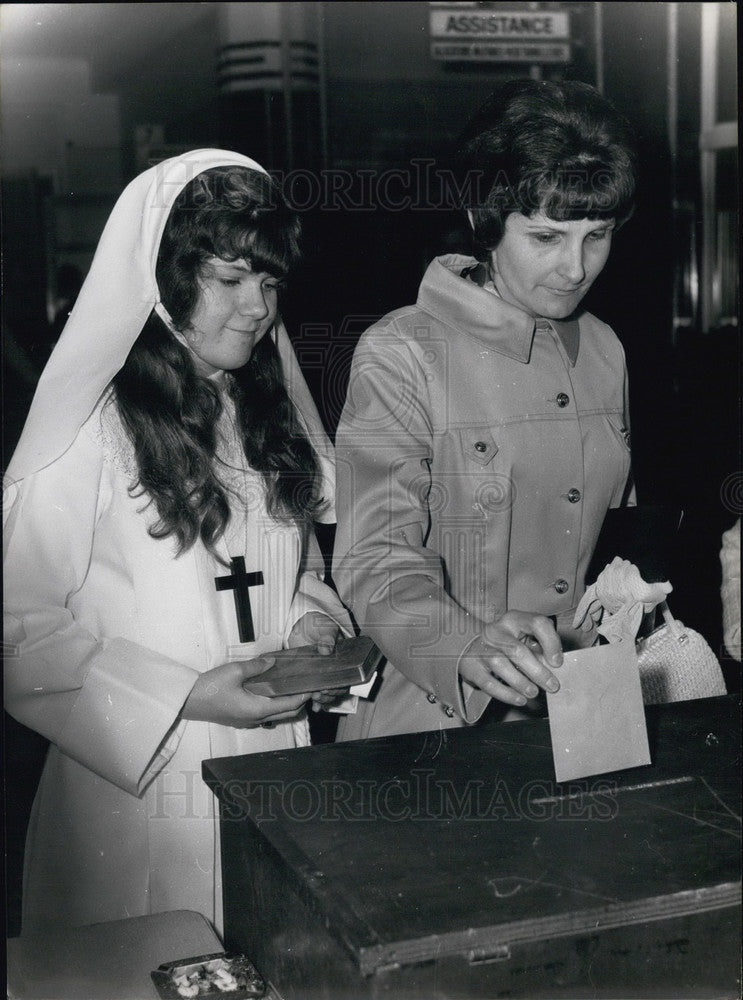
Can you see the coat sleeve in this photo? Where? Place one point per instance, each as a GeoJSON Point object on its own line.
{"type": "Point", "coordinates": [393, 584]}
{"type": "Point", "coordinates": [313, 594]}
{"type": "Point", "coordinates": [107, 702]}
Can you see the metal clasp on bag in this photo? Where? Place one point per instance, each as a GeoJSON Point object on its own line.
{"type": "Point", "coordinates": [486, 956]}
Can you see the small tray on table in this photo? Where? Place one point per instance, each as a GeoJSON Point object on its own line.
{"type": "Point", "coordinates": [209, 976]}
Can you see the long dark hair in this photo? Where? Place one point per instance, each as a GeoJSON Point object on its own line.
{"type": "Point", "coordinates": [170, 412]}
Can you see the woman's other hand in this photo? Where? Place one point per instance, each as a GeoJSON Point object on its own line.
{"type": "Point", "coordinates": [314, 629]}
{"type": "Point", "coordinates": [324, 699]}
{"type": "Point", "coordinates": [511, 659]}
{"type": "Point", "coordinates": [219, 696]}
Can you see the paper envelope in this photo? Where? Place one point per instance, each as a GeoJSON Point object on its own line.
{"type": "Point", "coordinates": [597, 718]}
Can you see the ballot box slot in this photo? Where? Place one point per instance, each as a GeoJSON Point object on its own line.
{"type": "Point", "coordinates": [642, 786]}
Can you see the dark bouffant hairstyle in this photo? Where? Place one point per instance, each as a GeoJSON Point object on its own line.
{"type": "Point", "coordinates": [537, 146]}
{"type": "Point", "coordinates": [171, 413]}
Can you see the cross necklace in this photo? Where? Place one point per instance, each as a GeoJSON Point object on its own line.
{"type": "Point", "coordinates": [240, 581]}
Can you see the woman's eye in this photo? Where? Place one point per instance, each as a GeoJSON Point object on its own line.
{"type": "Point", "coordinates": [272, 286]}
{"type": "Point", "coordinates": [546, 237]}
{"type": "Point", "coordinates": [229, 282]}
{"type": "Point", "coordinates": [600, 235]}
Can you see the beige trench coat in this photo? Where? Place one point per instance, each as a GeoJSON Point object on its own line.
{"type": "Point", "coordinates": [477, 454]}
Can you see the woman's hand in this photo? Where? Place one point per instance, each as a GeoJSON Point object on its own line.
{"type": "Point", "coordinates": [314, 629]}
{"type": "Point", "coordinates": [509, 660]}
{"type": "Point", "coordinates": [219, 696]}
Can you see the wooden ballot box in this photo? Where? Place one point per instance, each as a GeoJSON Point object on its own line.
{"type": "Point", "coordinates": [451, 865]}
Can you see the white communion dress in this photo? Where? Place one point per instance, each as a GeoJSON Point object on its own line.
{"type": "Point", "coordinates": [107, 629]}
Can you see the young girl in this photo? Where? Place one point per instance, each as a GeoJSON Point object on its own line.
{"type": "Point", "coordinates": [159, 541]}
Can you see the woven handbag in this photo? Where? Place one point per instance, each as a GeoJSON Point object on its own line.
{"type": "Point", "coordinates": [677, 664]}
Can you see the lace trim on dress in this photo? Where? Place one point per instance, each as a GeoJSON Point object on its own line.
{"type": "Point", "coordinates": [107, 427]}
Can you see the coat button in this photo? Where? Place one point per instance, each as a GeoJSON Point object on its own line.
{"type": "Point", "coordinates": [574, 495]}
{"type": "Point", "coordinates": [480, 446]}
{"type": "Point", "coordinates": [449, 711]}
{"type": "Point", "coordinates": [561, 586]}
{"type": "Point", "coordinates": [431, 698]}
{"type": "Point", "coordinates": [562, 399]}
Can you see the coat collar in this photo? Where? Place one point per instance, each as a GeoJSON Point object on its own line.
{"type": "Point", "coordinates": [479, 313]}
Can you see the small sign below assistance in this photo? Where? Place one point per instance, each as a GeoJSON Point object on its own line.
{"type": "Point", "coordinates": [475, 33]}
{"type": "Point", "coordinates": [476, 52]}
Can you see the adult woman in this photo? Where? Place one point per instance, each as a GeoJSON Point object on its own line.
{"type": "Point", "coordinates": [172, 460]}
{"type": "Point", "coordinates": [485, 434]}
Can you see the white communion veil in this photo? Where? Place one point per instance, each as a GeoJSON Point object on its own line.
{"type": "Point", "coordinates": [118, 295]}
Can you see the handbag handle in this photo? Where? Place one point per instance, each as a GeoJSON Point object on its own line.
{"type": "Point", "coordinates": [674, 625]}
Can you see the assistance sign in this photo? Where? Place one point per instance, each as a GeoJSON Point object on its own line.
{"type": "Point", "coordinates": [464, 32]}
